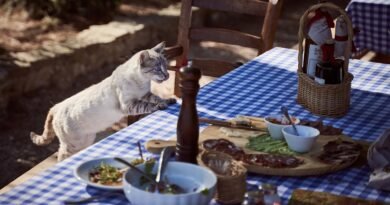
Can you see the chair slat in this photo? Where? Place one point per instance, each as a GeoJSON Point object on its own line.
{"type": "Point", "coordinates": [212, 67]}
{"type": "Point", "coordinates": [251, 7]}
{"type": "Point", "coordinates": [172, 52]}
{"type": "Point", "coordinates": [267, 11]}
{"type": "Point", "coordinates": [225, 36]}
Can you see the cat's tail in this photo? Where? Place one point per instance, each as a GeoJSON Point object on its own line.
{"type": "Point", "coordinates": [48, 132]}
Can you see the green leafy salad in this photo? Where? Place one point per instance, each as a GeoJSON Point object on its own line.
{"type": "Point", "coordinates": [106, 174]}
{"type": "Point", "coordinates": [264, 143]}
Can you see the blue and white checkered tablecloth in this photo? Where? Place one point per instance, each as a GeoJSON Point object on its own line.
{"type": "Point", "coordinates": [372, 18]}
{"type": "Point", "coordinates": [257, 88]}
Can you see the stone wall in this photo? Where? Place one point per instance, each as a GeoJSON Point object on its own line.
{"type": "Point", "coordinates": [58, 64]}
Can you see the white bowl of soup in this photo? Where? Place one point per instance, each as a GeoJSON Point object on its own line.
{"type": "Point", "coordinates": [198, 185]}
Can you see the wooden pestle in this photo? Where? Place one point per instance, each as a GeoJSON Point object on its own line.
{"type": "Point", "coordinates": [188, 123]}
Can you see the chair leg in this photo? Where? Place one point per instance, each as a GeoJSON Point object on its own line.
{"type": "Point", "coordinates": [176, 89]}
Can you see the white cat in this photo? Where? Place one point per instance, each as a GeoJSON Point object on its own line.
{"type": "Point", "coordinates": [77, 119]}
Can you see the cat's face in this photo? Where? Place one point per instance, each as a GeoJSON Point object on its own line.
{"type": "Point", "coordinates": [154, 64]}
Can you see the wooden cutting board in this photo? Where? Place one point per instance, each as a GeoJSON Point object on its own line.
{"type": "Point", "coordinates": [311, 166]}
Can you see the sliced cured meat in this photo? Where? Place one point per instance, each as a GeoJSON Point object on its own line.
{"type": "Point", "coordinates": [324, 129]}
{"type": "Point", "coordinates": [225, 146]}
{"type": "Point", "coordinates": [274, 161]}
{"type": "Point", "coordinates": [340, 151]}
{"type": "Point", "coordinates": [266, 160]}
{"type": "Point", "coordinates": [211, 144]}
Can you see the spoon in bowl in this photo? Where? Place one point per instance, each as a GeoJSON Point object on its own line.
{"type": "Point", "coordinates": [140, 150]}
{"type": "Point", "coordinates": [163, 186]}
{"type": "Point", "coordinates": [137, 170]}
{"type": "Point", "coordinates": [285, 113]}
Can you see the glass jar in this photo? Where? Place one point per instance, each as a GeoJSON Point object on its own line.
{"type": "Point", "coordinates": [271, 196]}
{"type": "Point", "coordinates": [255, 197]}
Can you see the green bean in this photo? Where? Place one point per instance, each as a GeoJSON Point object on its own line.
{"type": "Point", "coordinates": [264, 143]}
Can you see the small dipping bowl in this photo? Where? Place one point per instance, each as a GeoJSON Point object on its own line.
{"type": "Point", "coordinates": [302, 143]}
{"type": "Point", "coordinates": [275, 129]}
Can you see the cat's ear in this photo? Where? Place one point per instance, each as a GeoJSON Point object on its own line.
{"type": "Point", "coordinates": [143, 58]}
{"type": "Point", "coordinates": [159, 48]}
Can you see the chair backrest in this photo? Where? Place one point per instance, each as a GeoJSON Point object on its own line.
{"type": "Point", "coordinates": [269, 10]}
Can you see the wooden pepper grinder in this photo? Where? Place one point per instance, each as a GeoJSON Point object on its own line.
{"type": "Point", "coordinates": [188, 123]}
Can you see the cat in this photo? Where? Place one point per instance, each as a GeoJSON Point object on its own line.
{"type": "Point", "coordinates": [76, 120]}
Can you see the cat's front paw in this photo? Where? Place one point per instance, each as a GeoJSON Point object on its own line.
{"type": "Point", "coordinates": [162, 106]}
{"type": "Point", "coordinates": [170, 101]}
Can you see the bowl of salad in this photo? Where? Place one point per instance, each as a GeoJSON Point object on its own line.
{"type": "Point", "coordinates": [103, 173]}
{"type": "Point", "coordinates": [197, 185]}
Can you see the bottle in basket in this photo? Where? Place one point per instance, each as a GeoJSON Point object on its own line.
{"type": "Point", "coordinates": [312, 56]}
{"type": "Point", "coordinates": [340, 38]}
{"type": "Point", "coordinates": [318, 32]}
{"type": "Point", "coordinates": [329, 70]}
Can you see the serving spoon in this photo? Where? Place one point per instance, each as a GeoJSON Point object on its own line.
{"type": "Point", "coordinates": [165, 154]}
{"type": "Point", "coordinates": [137, 170]}
{"type": "Point", "coordinates": [160, 186]}
{"type": "Point", "coordinates": [285, 112]}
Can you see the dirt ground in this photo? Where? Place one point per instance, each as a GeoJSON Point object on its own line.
{"type": "Point", "coordinates": [27, 113]}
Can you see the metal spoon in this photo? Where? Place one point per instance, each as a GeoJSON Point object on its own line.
{"type": "Point", "coordinates": [165, 154]}
{"type": "Point", "coordinates": [285, 112]}
{"type": "Point", "coordinates": [140, 150]}
{"type": "Point", "coordinates": [164, 186]}
{"type": "Point", "coordinates": [136, 169]}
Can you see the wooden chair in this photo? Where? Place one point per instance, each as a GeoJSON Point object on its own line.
{"type": "Point", "coordinates": [269, 10]}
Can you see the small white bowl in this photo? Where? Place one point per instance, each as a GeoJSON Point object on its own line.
{"type": "Point", "coordinates": [192, 178]}
{"type": "Point", "coordinates": [275, 130]}
{"type": "Point", "coordinates": [302, 143]}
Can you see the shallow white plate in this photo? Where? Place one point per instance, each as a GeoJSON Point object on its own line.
{"type": "Point", "coordinates": [82, 171]}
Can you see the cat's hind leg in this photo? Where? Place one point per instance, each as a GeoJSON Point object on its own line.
{"type": "Point", "coordinates": [73, 144]}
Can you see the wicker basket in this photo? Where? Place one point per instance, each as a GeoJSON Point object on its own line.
{"type": "Point", "coordinates": [327, 100]}
{"type": "Point", "coordinates": [231, 174]}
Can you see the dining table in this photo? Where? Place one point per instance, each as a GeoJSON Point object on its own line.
{"type": "Point", "coordinates": [257, 88]}
{"type": "Point", "coordinates": [372, 20]}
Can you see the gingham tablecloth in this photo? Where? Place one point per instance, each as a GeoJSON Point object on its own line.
{"type": "Point", "coordinates": [372, 18]}
{"type": "Point", "coordinates": [257, 88]}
